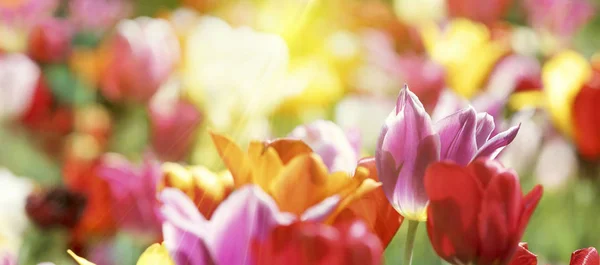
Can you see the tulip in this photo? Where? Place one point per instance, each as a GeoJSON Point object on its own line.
{"type": "Point", "coordinates": [584, 256]}
{"type": "Point", "coordinates": [173, 130]}
{"type": "Point", "coordinates": [477, 213]}
{"type": "Point", "coordinates": [409, 142]}
{"type": "Point", "coordinates": [330, 142]}
{"type": "Point", "coordinates": [55, 207]}
{"type": "Point", "coordinates": [248, 214]}
{"type": "Point", "coordinates": [319, 244]}
{"type": "Point", "coordinates": [133, 192]}
{"type": "Point", "coordinates": [204, 187]}
{"type": "Point", "coordinates": [292, 174]}
{"type": "Point", "coordinates": [19, 77]}
{"type": "Point", "coordinates": [484, 12]}
{"type": "Point", "coordinates": [585, 121]}
{"type": "Point", "coordinates": [373, 209]}
{"type": "Point", "coordinates": [26, 11]}
{"type": "Point", "coordinates": [98, 15]}
{"type": "Point", "coordinates": [144, 53]}
{"type": "Point", "coordinates": [50, 41]}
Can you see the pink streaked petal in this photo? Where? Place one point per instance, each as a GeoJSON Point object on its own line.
{"type": "Point", "coordinates": [458, 136]}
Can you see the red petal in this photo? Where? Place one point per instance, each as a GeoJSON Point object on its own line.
{"type": "Point", "coordinates": [499, 218]}
{"type": "Point", "coordinates": [523, 256]}
{"type": "Point", "coordinates": [485, 169]}
{"type": "Point", "coordinates": [585, 256]}
{"type": "Point", "coordinates": [586, 119]}
{"type": "Point", "coordinates": [455, 196]}
{"type": "Point", "coordinates": [530, 202]}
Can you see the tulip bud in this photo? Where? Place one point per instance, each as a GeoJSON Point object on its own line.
{"type": "Point", "coordinates": [144, 53]}
{"type": "Point", "coordinates": [19, 77]}
{"type": "Point", "coordinates": [173, 130]}
{"type": "Point", "coordinates": [55, 207]}
{"type": "Point", "coordinates": [50, 41]}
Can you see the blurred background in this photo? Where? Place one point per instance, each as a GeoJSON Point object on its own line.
{"type": "Point", "coordinates": [85, 81]}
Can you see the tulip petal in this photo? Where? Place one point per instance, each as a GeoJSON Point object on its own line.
{"type": "Point", "coordinates": [499, 218]}
{"type": "Point", "coordinates": [458, 136]}
{"type": "Point", "coordinates": [530, 202]}
{"type": "Point", "coordinates": [289, 148]}
{"type": "Point", "coordinates": [523, 256]}
{"type": "Point", "coordinates": [234, 158]}
{"type": "Point", "coordinates": [321, 211]}
{"type": "Point", "coordinates": [492, 148]}
{"type": "Point", "coordinates": [406, 146]}
{"type": "Point", "coordinates": [585, 256]}
{"type": "Point", "coordinates": [455, 197]}
{"type": "Point", "coordinates": [247, 214]}
{"type": "Point", "coordinates": [485, 127]}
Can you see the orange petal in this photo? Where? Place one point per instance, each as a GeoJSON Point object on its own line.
{"type": "Point", "coordinates": [266, 168]}
{"type": "Point", "coordinates": [289, 148]}
{"type": "Point", "coordinates": [301, 184]}
{"type": "Point", "coordinates": [234, 158]}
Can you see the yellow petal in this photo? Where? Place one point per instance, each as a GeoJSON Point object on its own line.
{"type": "Point", "coordinates": [177, 176]}
{"type": "Point", "coordinates": [368, 185]}
{"type": "Point", "coordinates": [156, 254]}
{"type": "Point", "coordinates": [78, 259]}
{"type": "Point", "coordinates": [266, 168]}
{"type": "Point", "coordinates": [289, 148]}
{"type": "Point", "coordinates": [234, 158]}
{"type": "Point", "coordinates": [563, 76]}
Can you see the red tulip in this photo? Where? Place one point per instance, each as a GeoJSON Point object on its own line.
{"type": "Point", "coordinates": [523, 256]}
{"type": "Point", "coordinates": [585, 256]}
{"type": "Point", "coordinates": [319, 244]}
{"type": "Point", "coordinates": [586, 119]}
{"type": "Point", "coordinates": [476, 214]}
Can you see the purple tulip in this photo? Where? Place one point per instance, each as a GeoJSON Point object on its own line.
{"type": "Point", "coordinates": [248, 214]}
{"type": "Point", "coordinates": [409, 142]}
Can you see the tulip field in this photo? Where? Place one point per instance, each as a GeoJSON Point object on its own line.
{"type": "Point", "coordinates": [299, 132]}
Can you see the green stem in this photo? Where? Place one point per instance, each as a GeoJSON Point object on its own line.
{"type": "Point", "coordinates": [410, 242]}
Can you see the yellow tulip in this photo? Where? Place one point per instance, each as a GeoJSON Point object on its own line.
{"type": "Point", "coordinates": [563, 76]}
{"type": "Point", "coordinates": [467, 52]}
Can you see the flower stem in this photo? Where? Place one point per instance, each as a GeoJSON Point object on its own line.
{"type": "Point", "coordinates": [410, 242]}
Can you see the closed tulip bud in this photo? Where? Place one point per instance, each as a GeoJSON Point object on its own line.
{"type": "Point", "coordinates": [50, 41]}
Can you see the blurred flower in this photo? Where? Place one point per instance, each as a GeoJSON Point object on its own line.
{"type": "Point", "coordinates": [563, 76]}
{"type": "Point", "coordinates": [19, 77]}
{"type": "Point", "coordinates": [427, 77]}
{"type": "Point", "coordinates": [205, 188]}
{"type": "Point", "coordinates": [156, 254]}
{"type": "Point", "coordinates": [98, 15]}
{"type": "Point", "coordinates": [365, 114]}
{"type": "Point", "coordinates": [248, 214]}
{"type": "Point", "coordinates": [292, 174]}
{"type": "Point", "coordinates": [523, 152]}
{"type": "Point", "coordinates": [558, 20]}
{"type": "Point", "coordinates": [173, 126]}
{"type": "Point", "coordinates": [514, 73]}
{"type": "Point", "coordinates": [13, 220]}
{"type": "Point", "coordinates": [234, 74]}
{"type": "Point", "coordinates": [471, 207]}
{"type": "Point", "coordinates": [484, 12]}
{"type": "Point", "coordinates": [133, 192]}
{"type": "Point", "coordinates": [7, 259]}
{"type": "Point", "coordinates": [144, 52]}
{"type": "Point", "coordinates": [50, 41]}
{"type": "Point", "coordinates": [557, 162]}
{"type": "Point", "coordinates": [409, 142]}
{"type": "Point", "coordinates": [80, 173]}
{"type": "Point", "coordinates": [17, 12]}
{"type": "Point", "coordinates": [55, 207]}
{"type": "Point", "coordinates": [467, 51]}
{"type": "Point", "coordinates": [319, 244]}
{"type": "Point", "coordinates": [418, 12]}
{"type": "Point", "coordinates": [330, 142]}
{"type": "Point", "coordinates": [523, 256]}
{"type": "Point", "coordinates": [374, 209]}
{"type": "Point", "coordinates": [585, 121]}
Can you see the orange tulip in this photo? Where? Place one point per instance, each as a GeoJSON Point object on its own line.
{"type": "Point", "coordinates": [292, 174]}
